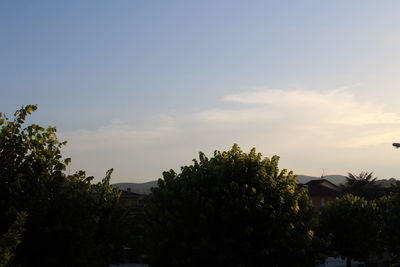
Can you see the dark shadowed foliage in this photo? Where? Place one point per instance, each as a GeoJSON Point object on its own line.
{"type": "Point", "coordinates": [234, 209]}
{"type": "Point", "coordinates": [390, 222]}
{"type": "Point", "coordinates": [71, 221]}
{"type": "Point", "coordinates": [11, 239]}
{"type": "Point", "coordinates": [352, 226]}
{"type": "Point", "coordinates": [363, 185]}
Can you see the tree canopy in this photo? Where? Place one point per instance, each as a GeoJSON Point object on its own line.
{"type": "Point", "coordinates": [351, 223]}
{"type": "Point", "coordinates": [362, 185]}
{"type": "Point", "coordinates": [234, 209]}
{"type": "Point", "coordinates": [71, 221]}
{"type": "Point", "coordinates": [390, 221]}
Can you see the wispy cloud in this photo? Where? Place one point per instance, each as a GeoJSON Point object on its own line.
{"type": "Point", "coordinates": [309, 128]}
{"type": "Point", "coordinates": [330, 118]}
{"type": "Point", "coordinates": [119, 134]}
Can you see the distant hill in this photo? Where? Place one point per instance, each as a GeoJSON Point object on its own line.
{"type": "Point", "coordinates": [140, 188]}
{"type": "Point", "coordinates": [144, 188]}
{"type": "Point", "coordinates": [386, 182]}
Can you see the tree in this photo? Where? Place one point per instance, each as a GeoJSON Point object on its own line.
{"type": "Point", "coordinates": [351, 223]}
{"type": "Point", "coordinates": [71, 222]}
{"type": "Point", "coordinates": [234, 209]}
{"type": "Point", "coordinates": [362, 185]}
{"type": "Point", "coordinates": [390, 221]}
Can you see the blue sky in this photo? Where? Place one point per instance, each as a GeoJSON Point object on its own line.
{"type": "Point", "coordinates": [142, 86]}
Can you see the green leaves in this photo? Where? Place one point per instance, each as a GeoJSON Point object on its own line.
{"type": "Point", "coordinates": [11, 239]}
{"type": "Point", "coordinates": [3, 118]}
{"type": "Point", "coordinates": [390, 221]}
{"type": "Point", "coordinates": [362, 185]}
{"type": "Point", "coordinates": [20, 115]}
{"type": "Point", "coordinates": [352, 223]}
{"type": "Point", "coordinates": [72, 222]}
{"type": "Point", "coordinates": [221, 208]}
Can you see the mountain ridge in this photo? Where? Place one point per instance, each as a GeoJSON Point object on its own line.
{"type": "Point", "coordinates": [145, 188]}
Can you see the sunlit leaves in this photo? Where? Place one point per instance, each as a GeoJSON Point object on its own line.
{"type": "Point", "coordinates": [221, 208]}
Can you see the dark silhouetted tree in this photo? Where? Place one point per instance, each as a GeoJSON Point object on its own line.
{"type": "Point", "coordinates": [351, 224]}
{"type": "Point", "coordinates": [71, 222]}
{"type": "Point", "coordinates": [234, 209]}
{"type": "Point", "coordinates": [390, 222]}
{"type": "Point", "coordinates": [363, 185]}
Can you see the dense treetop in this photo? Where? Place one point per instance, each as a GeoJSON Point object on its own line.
{"type": "Point", "coordinates": [217, 210]}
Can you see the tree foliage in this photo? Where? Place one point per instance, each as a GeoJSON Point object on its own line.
{"type": "Point", "coordinates": [363, 185]}
{"type": "Point", "coordinates": [11, 239]}
{"type": "Point", "coordinates": [351, 223]}
{"type": "Point", "coordinates": [390, 221]}
{"type": "Point", "coordinates": [71, 221]}
{"type": "Point", "coordinates": [234, 209]}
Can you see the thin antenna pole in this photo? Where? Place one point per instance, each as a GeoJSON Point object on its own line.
{"type": "Point", "coordinates": [323, 173]}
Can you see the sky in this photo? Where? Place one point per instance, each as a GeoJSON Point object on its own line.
{"type": "Point", "coordinates": [143, 86]}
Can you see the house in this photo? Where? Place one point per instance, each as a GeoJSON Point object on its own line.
{"type": "Point", "coordinates": [133, 201]}
{"type": "Point", "coordinates": [321, 191]}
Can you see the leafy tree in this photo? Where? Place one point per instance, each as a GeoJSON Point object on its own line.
{"type": "Point", "coordinates": [351, 223]}
{"type": "Point", "coordinates": [363, 185]}
{"type": "Point", "coordinates": [11, 239]}
{"type": "Point", "coordinates": [390, 221]}
{"type": "Point", "coordinates": [72, 222]}
{"type": "Point", "coordinates": [234, 209]}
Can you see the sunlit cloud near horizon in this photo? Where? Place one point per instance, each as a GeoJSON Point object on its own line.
{"type": "Point", "coordinates": [309, 129]}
